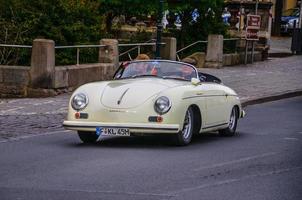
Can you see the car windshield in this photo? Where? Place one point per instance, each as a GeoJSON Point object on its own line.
{"type": "Point", "coordinates": [291, 12]}
{"type": "Point", "coordinates": [157, 68]}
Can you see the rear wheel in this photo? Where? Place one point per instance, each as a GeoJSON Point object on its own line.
{"type": "Point", "coordinates": [184, 136]}
{"type": "Point", "coordinates": [231, 129]}
{"type": "Point", "coordinates": [88, 137]}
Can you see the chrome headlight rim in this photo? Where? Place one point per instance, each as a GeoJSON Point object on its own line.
{"type": "Point", "coordinates": [164, 100]}
{"type": "Point", "coordinates": [84, 104]}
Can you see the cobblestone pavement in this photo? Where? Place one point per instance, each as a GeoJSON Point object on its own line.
{"type": "Point", "coordinates": [26, 117]}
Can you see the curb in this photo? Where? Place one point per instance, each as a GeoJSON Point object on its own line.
{"type": "Point", "coordinates": [272, 98]}
{"type": "Point", "coordinates": [280, 54]}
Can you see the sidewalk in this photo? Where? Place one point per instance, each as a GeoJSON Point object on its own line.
{"type": "Point", "coordinates": [280, 46]}
{"type": "Point", "coordinates": [253, 82]}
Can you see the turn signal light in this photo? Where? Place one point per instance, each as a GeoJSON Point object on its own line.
{"type": "Point", "coordinates": [77, 115]}
{"type": "Point", "coordinates": [159, 119]}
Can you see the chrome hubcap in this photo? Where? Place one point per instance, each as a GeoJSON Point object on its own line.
{"type": "Point", "coordinates": [232, 120]}
{"type": "Point", "coordinates": [187, 126]}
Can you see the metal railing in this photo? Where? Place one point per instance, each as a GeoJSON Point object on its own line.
{"type": "Point", "coordinates": [16, 46]}
{"type": "Point", "coordinates": [186, 47]}
{"type": "Point", "coordinates": [230, 39]}
{"type": "Point", "coordinates": [136, 46]}
{"type": "Point", "coordinates": [200, 42]}
{"type": "Point", "coordinates": [78, 49]}
{"type": "Point", "coordinates": [10, 56]}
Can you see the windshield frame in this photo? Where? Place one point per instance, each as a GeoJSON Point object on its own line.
{"type": "Point", "coordinates": [123, 66]}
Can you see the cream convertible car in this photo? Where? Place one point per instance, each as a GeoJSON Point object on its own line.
{"type": "Point", "coordinates": [154, 97]}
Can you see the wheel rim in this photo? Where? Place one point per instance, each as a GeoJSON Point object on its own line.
{"type": "Point", "coordinates": [186, 131]}
{"type": "Point", "coordinates": [232, 120]}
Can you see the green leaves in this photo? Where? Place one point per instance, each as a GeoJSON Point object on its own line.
{"type": "Point", "coordinates": [71, 22]}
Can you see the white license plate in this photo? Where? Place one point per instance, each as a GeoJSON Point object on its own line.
{"type": "Point", "coordinates": [112, 131]}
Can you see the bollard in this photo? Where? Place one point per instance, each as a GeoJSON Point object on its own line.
{"type": "Point", "coordinates": [168, 50]}
{"type": "Point", "coordinates": [42, 63]}
{"type": "Point", "coordinates": [109, 53]}
{"type": "Point", "coordinates": [214, 57]}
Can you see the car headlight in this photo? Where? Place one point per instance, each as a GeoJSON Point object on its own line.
{"type": "Point", "coordinates": [79, 101]}
{"type": "Point", "coordinates": [162, 105]}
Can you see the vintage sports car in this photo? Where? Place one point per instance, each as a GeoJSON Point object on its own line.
{"type": "Point", "coordinates": [154, 97]}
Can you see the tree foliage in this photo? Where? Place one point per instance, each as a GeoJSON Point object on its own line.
{"type": "Point", "coordinates": [208, 22]}
{"type": "Point", "coordinates": [70, 22]}
{"type": "Point", "coordinates": [66, 22]}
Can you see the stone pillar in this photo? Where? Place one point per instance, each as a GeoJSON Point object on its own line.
{"type": "Point", "coordinates": [109, 53]}
{"type": "Point", "coordinates": [42, 63]}
{"type": "Point", "coordinates": [168, 51]}
{"type": "Point", "coordinates": [214, 57]}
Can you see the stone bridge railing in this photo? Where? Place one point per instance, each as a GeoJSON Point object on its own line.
{"type": "Point", "coordinates": [42, 78]}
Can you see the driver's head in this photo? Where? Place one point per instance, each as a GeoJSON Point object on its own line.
{"type": "Point", "coordinates": [142, 57]}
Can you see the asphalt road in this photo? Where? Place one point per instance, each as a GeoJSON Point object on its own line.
{"type": "Point", "coordinates": [263, 162]}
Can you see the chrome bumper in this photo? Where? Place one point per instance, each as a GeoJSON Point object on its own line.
{"type": "Point", "coordinates": [133, 127]}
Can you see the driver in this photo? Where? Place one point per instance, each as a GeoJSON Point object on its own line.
{"type": "Point", "coordinates": [187, 72]}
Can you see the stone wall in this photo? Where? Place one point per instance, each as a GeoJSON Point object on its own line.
{"type": "Point", "coordinates": [43, 78]}
{"type": "Point", "coordinates": [13, 81]}
{"type": "Point", "coordinates": [74, 76]}
{"type": "Point", "coordinates": [239, 58]}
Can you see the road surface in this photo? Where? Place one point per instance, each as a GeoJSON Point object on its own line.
{"type": "Point", "coordinates": [263, 162]}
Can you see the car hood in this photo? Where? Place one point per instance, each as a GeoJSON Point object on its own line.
{"type": "Point", "coordinates": [130, 93]}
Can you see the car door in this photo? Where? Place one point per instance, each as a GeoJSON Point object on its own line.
{"type": "Point", "coordinates": [216, 104]}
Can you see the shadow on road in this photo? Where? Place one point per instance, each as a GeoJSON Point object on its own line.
{"type": "Point", "coordinates": [155, 142]}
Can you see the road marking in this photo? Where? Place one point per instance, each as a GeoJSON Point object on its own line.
{"type": "Point", "coordinates": [11, 110]}
{"type": "Point", "coordinates": [237, 161]}
{"type": "Point", "coordinates": [31, 136]}
{"type": "Point", "coordinates": [280, 171]}
{"type": "Point", "coordinates": [117, 192]}
{"type": "Point", "coordinates": [42, 103]}
{"type": "Point", "coordinates": [291, 138]}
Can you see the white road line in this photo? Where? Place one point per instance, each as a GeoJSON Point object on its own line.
{"type": "Point", "coordinates": [31, 136]}
{"type": "Point", "coordinates": [43, 103]}
{"type": "Point", "coordinates": [115, 192]}
{"type": "Point", "coordinates": [235, 180]}
{"type": "Point", "coordinates": [291, 138]}
{"type": "Point", "coordinates": [237, 161]}
{"type": "Point", "coordinates": [13, 109]}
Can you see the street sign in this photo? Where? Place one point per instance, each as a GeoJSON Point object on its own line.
{"type": "Point", "coordinates": [252, 27]}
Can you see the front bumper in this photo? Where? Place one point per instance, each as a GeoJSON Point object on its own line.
{"type": "Point", "coordinates": [133, 127]}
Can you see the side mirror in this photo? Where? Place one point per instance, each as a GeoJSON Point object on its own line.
{"type": "Point", "coordinates": [195, 81]}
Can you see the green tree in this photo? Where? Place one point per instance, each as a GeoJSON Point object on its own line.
{"type": "Point", "coordinates": [67, 22]}
{"type": "Point", "coordinates": [208, 22]}
{"type": "Point", "coordinates": [113, 8]}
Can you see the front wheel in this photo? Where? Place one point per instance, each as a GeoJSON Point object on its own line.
{"type": "Point", "coordinates": [231, 129]}
{"type": "Point", "coordinates": [184, 136]}
{"type": "Point", "coordinates": [88, 137]}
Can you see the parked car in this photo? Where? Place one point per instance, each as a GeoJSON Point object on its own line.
{"type": "Point", "coordinates": [154, 97]}
{"type": "Point", "coordinates": [289, 18]}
